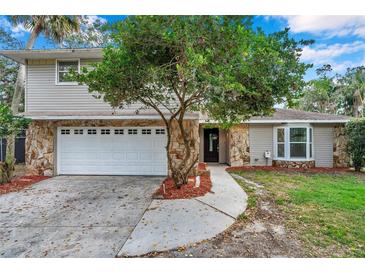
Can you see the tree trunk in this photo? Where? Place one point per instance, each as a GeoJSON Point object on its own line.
{"type": "Point", "coordinates": [18, 93]}
{"type": "Point", "coordinates": [181, 170]}
{"type": "Point", "coordinates": [357, 108]}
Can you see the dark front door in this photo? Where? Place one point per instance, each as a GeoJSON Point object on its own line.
{"type": "Point", "coordinates": [211, 145]}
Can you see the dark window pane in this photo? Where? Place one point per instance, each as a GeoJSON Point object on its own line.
{"type": "Point", "coordinates": [310, 150]}
{"type": "Point", "coordinates": [281, 150]}
{"type": "Point", "coordinates": [310, 135]}
{"type": "Point", "coordinates": [280, 135]}
{"type": "Point", "coordinates": [68, 65]}
{"type": "Point", "coordinates": [298, 150]}
{"type": "Point", "coordinates": [298, 135]}
{"type": "Point", "coordinates": [63, 77]}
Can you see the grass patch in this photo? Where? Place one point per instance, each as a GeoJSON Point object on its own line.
{"type": "Point", "coordinates": [250, 191]}
{"type": "Point", "coordinates": [327, 210]}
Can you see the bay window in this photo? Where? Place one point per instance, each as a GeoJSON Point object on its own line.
{"type": "Point", "coordinates": [293, 143]}
{"type": "Point", "coordinates": [281, 143]}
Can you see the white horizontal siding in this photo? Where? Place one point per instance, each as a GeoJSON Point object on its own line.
{"type": "Point", "coordinates": [261, 139]}
{"type": "Point", "coordinates": [42, 93]}
{"type": "Point", "coordinates": [323, 145]}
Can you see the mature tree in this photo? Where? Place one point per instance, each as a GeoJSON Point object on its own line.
{"type": "Point", "coordinates": [351, 90]}
{"type": "Point", "coordinates": [8, 68]}
{"type": "Point", "coordinates": [53, 27]}
{"type": "Point", "coordinates": [318, 94]}
{"type": "Point", "coordinates": [177, 64]}
{"type": "Point", "coordinates": [93, 33]}
{"type": "Point", "coordinates": [355, 131]}
{"type": "Point", "coordinates": [9, 125]}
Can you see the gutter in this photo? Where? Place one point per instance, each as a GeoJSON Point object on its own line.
{"type": "Point", "coordinates": [88, 117]}
{"type": "Point", "coordinates": [202, 121]}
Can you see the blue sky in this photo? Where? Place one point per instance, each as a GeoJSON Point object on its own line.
{"type": "Point", "coordinates": [339, 40]}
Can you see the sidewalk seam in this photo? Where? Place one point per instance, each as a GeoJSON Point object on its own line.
{"type": "Point", "coordinates": [196, 199]}
{"type": "Point", "coordinates": [120, 249]}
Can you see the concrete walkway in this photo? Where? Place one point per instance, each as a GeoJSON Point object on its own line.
{"type": "Point", "coordinates": [169, 224]}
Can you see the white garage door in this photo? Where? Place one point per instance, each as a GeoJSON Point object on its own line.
{"type": "Point", "coordinates": [111, 151]}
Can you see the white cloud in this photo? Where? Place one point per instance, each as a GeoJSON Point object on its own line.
{"type": "Point", "coordinates": [327, 25]}
{"type": "Point", "coordinates": [329, 54]}
{"type": "Point", "coordinates": [16, 31]}
{"type": "Point", "coordinates": [323, 52]}
{"type": "Point", "coordinates": [91, 19]}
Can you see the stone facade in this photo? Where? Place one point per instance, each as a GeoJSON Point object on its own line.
{"type": "Point", "coordinates": [239, 147]}
{"type": "Point", "coordinates": [41, 142]}
{"type": "Point", "coordinates": [293, 164]}
{"type": "Point", "coordinates": [340, 156]}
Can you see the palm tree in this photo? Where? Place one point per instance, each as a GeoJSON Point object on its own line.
{"type": "Point", "coordinates": [54, 27]}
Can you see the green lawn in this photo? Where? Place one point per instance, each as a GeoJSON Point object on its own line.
{"type": "Point", "coordinates": [326, 210]}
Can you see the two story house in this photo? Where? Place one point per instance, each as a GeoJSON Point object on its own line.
{"type": "Point", "coordinates": [73, 132]}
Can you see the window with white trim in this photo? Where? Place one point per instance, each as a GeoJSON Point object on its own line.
{"type": "Point", "coordinates": [298, 142]}
{"type": "Point", "coordinates": [63, 69]}
{"type": "Point", "coordinates": [280, 143]}
{"type": "Point", "coordinates": [293, 143]}
{"type": "Point", "coordinates": [310, 142]}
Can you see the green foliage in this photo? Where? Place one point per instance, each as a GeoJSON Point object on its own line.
{"type": "Point", "coordinates": [217, 64]}
{"type": "Point", "coordinates": [8, 68]}
{"type": "Point", "coordinates": [214, 64]}
{"type": "Point", "coordinates": [355, 130]}
{"type": "Point", "coordinates": [352, 80]}
{"type": "Point", "coordinates": [92, 34]}
{"type": "Point", "coordinates": [54, 27]}
{"type": "Point", "coordinates": [333, 94]}
{"type": "Point", "coordinates": [8, 74]}
{"type": "Point", "coordinates": [9, 125]}
{"type": "Point", "coordinates": [318, 94]}
{"type": "Point", "coordinates": [7, 170]}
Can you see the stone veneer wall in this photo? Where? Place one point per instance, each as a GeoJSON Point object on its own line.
{"type": "Point", "coordinates": [40, 140]}
{"type": "Point", "coordinates": [293, 164]}
{"type": "Point", "coordinates": [239, 147]}
{"type": "Point", "coordinates": [340, 156]}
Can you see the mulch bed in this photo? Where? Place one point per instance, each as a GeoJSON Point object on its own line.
{"type": "Point", "coordinates": [188, 190]}
{"type": "Point", "coordinates": [304, 170]}
{"type": "Point", "coordinates": [19, 183]}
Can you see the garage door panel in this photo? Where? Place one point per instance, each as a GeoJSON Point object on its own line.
{"type": "Point", "coordinates": [119, 156]}
{"type": "Point", "coordinates": [111, 154]}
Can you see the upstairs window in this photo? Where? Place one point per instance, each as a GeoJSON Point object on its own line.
{"type": "Point", "coordinates": [63, 67]}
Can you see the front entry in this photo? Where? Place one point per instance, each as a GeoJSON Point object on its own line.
{"type": "Point", "coordinates": [211, 145]}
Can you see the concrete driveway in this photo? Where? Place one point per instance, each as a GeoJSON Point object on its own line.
{"type": "Point", "coordinates": [73, 216]}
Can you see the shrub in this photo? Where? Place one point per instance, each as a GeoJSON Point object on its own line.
{"type": "Point", "coordinates": [7, 170]}
{"type": "Point", "coordinates": [10, 125]}
{"type": "Point", "coordinates": [355, 131]}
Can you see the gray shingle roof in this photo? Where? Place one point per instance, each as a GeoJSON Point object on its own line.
{"type": "Point", "coordinates": [292, 114]}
